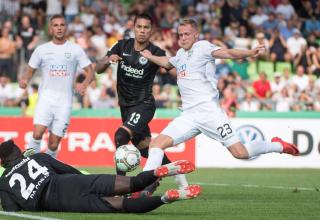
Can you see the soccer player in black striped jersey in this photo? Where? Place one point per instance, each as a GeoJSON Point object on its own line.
{"type": "Point", "coordinates": [135, 75]}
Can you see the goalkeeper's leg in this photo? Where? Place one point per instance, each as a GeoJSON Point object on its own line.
{"type": "Point", "coordinates": [147, 204]}
{"type": "Point", "coordinates": [124, 185]}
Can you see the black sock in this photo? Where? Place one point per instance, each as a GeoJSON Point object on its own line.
{"type": "Point", "coordinates": [141, 205]}
{"type": "Point", "coordinates": [165, 160]}
{"type": "Point", "coordinates": [142, 180]}
{"type": "Point", "coordinates": [121, 137]}
{"type": "Point", "coordinates": [144, 152]}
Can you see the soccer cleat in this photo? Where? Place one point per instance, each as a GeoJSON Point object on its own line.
{"type": "Point", "coordinates": [139, 194]}
{"type": "Point", "coordinates": [84, 172]}
{"type": "Point", "coordinates": [147, 192]}
{"type": "Point", "coordinates": [189, 192]}
{"type": "Point", "coordinates": [28, 152]}
{"type": "Point", "coordinates": [174, 168]}
{"type": "Point", "coordinates": [288, 148]}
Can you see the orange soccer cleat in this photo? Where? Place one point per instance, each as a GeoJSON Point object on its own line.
{"type": "Point", "coordinates": [288, 148]}
{"type": "Point", "coordinates": [174, 168]}
{"type": "Point", "coordinates": [189, 192]}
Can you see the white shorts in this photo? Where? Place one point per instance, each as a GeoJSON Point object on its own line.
{"type": "Point", "coordinates": [56, 119]}
{"type": "Point", "coordinates": [207, 118]}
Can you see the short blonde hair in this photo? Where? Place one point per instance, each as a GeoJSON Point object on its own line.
{"type": "Point", "coordinates": [189, 21]}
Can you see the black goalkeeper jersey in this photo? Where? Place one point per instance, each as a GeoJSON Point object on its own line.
{"type": "Point", "coordinates": [135, 73]}
{"type": "Point", "coordinates": [22, 184]}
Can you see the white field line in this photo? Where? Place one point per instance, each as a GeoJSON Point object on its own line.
{"type": "Point", "coordinates": [20, 215]}
{"type": "Point", "coordinates": [257, 186]}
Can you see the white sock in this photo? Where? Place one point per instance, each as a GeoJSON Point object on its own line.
{"type": "Point", "coordinates": [154, 159]}
{"type": "Point", "coordinates": [52, 153]}
{"type": "Point", "coordinates": [35, 144]}
{"type": "Point", "coordinates": [181, 180]}
{"type": "Point", "coordinates": [255, 148]}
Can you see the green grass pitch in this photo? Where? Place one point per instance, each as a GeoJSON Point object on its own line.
{"type": "Point", "coordinates": [228, 194]}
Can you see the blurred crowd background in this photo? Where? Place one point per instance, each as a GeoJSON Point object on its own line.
{"type": "Point", "coordinates": [285, 78]}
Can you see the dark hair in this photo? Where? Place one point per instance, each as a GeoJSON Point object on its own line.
{"type": "Point", "coordinates": [56, 16]}
{"type": "Point", "coordinates": [143, 16]}
{"type": "Point", "coordinates": [34, 86]}
{"type": "Point", "coordinates": [9, 151]}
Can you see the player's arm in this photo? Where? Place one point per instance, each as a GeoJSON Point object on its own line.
{"type": "Point", "coordinates": [89, 73]}
{"type": "Point", "coordinates": [25, 77]}
{"type": "Point", "coordinates": [59, 167]}
{"type": "Point", "coordinates": [105, 62]}
{"type": "Point", "coordinates": [111, 57]}
{"type": "Point", "coordinates": [238, 53]}
{"type": "Point", "coordinates": [7, 203]}
{"type": "Point", "coordinates": [162, 61]}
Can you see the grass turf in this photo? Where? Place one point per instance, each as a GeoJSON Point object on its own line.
{"type": "Point", "coordinates": [229, 194]}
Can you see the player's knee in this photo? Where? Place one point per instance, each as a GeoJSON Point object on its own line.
{"type": "Point", "coordinates": [37, 136]}
{"type": "Point", "coordinates": [121, 137]}
{"type": "Point", "coordinates": [161, 141]}
{"type": "Point", "coordinates": [140, 141]}
{"type": "Point", "coordinates": [239, 152]}
{"type": "Point", "coordinates": [53, 146]}
{"type": "Point", "coordinates": [239, 155]}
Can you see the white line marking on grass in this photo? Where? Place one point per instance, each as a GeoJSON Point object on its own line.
{"type": "Point", "coordinates": [257, 186]}
{"type": "Point", "coordinates": [26, 216]}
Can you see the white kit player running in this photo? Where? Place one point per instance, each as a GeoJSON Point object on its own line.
{"type": "Point", "coordinates": [58, 61]}
{"type": "Point", "coordinates": [195, 65]}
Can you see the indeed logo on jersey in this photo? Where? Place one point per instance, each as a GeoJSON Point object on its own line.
{"type": "Point", "coordinates": [58, 70]}
{"type": "Point", "coordinates": [181, 71]}
{"type": "Point", "coordinates": [130, 71]}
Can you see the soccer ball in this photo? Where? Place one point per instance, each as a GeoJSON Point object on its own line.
{"type": "Point", "coordinates": [127, 158]}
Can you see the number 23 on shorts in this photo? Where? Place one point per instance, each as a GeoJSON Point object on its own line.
{"type": "Point", "coordinates": [224, 130]}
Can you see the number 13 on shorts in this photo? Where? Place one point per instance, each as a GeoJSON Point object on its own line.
{"type": "Point", "coordinates": [135, 117]}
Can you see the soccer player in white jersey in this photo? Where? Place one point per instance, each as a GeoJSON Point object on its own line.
{"type": "Point", "coordinates": [58, 61]}
{"type": "Point", "coordinates": [195, 65]}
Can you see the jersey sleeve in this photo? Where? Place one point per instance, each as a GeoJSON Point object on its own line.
{"type": "Point", "coordinates": [159, 52]}
{"type": "Point", "coordinates": [115, 49]}
{"type": "Point", "coordinates": [208, 48]}
{"type": "Point", "coordinates": [35, 59]}
{"type": "Point", "coordinates": [60, 167]}
{"type": "Point", "coordinates": [7, 203]}
{"type": "Point", "coordinates": [83, 59]}
{"type": "Point", "coordinates": [174, 60]}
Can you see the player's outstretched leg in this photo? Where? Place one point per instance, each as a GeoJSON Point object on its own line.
{"type": "Point", "coordinates": [146, 178]}
{"type": "Point", "coordinates": [189, 192]}
{"type": "Point", "coordinates": [146, 204]}
{"type": "Point", "coordinates": [288, 148]}
{"type": "Point", "coordinates": [174, 168]}
{"type": "Point", "coordinates": [149, 190]}
{"type": "Point", "coordinates": [121, 137]}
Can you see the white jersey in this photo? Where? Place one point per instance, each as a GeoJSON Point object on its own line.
{"type": "Point", "coordinates": [195, 74]}
{"type": "Point", "coordinates": [58, 64]}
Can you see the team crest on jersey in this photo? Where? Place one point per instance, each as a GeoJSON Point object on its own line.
{"type": "Point", "coordinates": [67, 55]}
{"type": "Point", "coordinates": [143, 60]}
